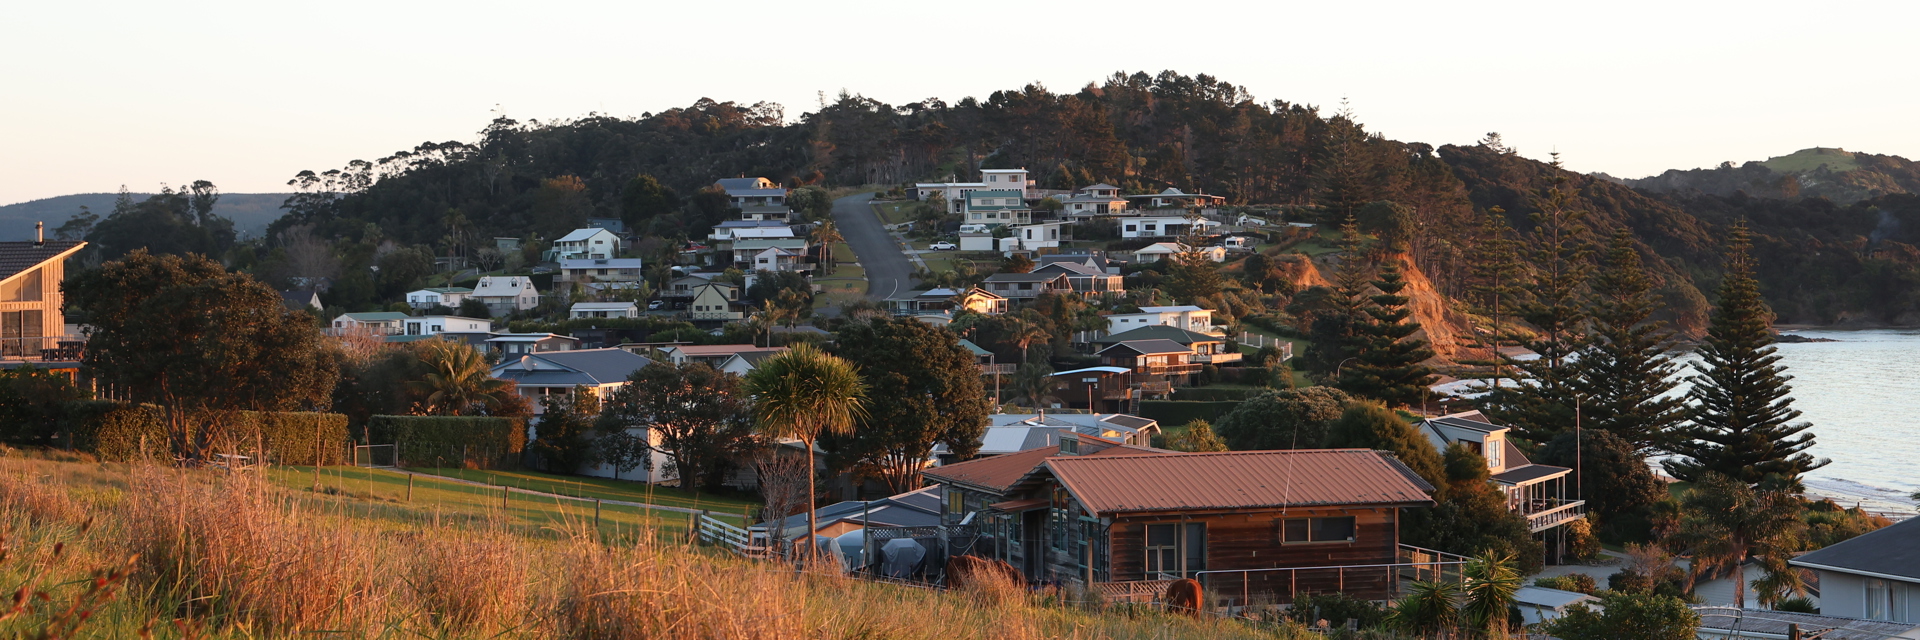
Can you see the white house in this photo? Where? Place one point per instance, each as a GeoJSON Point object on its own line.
{"type": "Point", "coordinates": [1160, 250]}
{"type": "Point", "coordinates": [746, 250]}
{"type": "Point", "coordinates": [600, 371]}
{"type": "Point", "coordinates": [756, 198]}
{"type": "Point", "coordinates": [1161, 226]}
{"type": "Point", "coordinates": [724, 232]}
{"type": "Point", "coordinates": [585, 270]}
{"type": "Point", "coordinates": [1036, 236]}
{"type": "Point", "coordinates": [715, 301]}
{"type": "Point", "coordinates": [956, 193]}
{"type": "Point", "coordinates": [976, 242]}
{"type": "Point", "coordinates": [515, 344]}
{"type": "Point", "coordinates": [587, 243]}
{"type": "Point", "coordinates": [1185, 316]}
{"type": "Point", "coordinates": [1095, 200]}
{"type": "Point", "coordinates": [683, 286]}
{"type": "Point", "coordinates": [436, 325]}
{"type": "Point", "coordinates": [442, 296]}
{"type": "Point", "coordinates": [507, 294]}
{"type": "Point", "coordinates": [780, 259]}
{"type": "Point", "coordinates": [1875, 576]}
{"type": "Point", "coordinates": [996, 207]}
{"type": "Point", "coordinates": [382, 323]}
{"type": "Point", "coordinates": [1537, 492]}
{"type": "Point", "coordinates": [604, 310]}
{"type": "Point", "coordinates": [1173, 197]}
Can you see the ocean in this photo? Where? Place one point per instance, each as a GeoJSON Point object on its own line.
{"type": "Point", "coordinates": [1860, 394]}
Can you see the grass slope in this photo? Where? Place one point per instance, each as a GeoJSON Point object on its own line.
{"type": "Point", "coordinates": [120, 551]}
{"type": "Point", "coordinates": [1804, 160]}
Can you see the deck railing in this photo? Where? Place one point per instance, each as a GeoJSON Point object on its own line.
{"type": "Point", "coordinates": [1280, 585]}
{"type": "Point", "coordinates": [1546, 514]}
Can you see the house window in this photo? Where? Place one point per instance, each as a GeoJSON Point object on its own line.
{"type": "Point", "coordinates": [955, 502]}
{"type": "Point", "coordinates": [1178, 549]}
{"type": "Point", "coordinates": [1303, 530]}
{"type": "Point", "coordinates": [1889, 600]}
{"type": "Point", "coordinates": [1493, 455]}
{"type": "Point", "coordinates": [25, 288]}
{"type": "Point", "coordinates": [1131, 228]}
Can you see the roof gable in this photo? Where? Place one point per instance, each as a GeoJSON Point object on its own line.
{"type": "Point", "coordinates": [21, 256]}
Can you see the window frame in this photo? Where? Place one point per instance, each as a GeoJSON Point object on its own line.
{"type": "Point", "coordinates": [1311, 526]}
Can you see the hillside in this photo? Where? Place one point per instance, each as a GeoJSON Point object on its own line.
{"type": "Point", "coordinates": [250, 212]}
{"type": "Point", "coordinates": [1838, 175]}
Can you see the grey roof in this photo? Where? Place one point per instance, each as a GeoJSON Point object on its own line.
{"type": "Point", "coordinates": [750, 224]}
{"type": "Point", "coordinates": [1528, 473]}
{"type": "Point", "coordinates": [377, 316]}
{"type": "Point", "coordinates": [585, 366]}
{"type": "Point", "coordinates": [1070, 268]}
{"type": "Point", "coordinates": [1773, 624]}
{"type": "Point", "coordinates": [16, 257]}
{"type": "Point", "coordinates": [1131, 421]}
{"type": "Point", "coordinates": [917, 508]}
{"type": "Point", "coordinates": [756, 192]}
{"type": "Point", "coordinates": [739, 183]}
{"type": "Point", "coordinates": [1145, 347]}
{"type": "Point", "coordinates": [974, 348]}
{"type": "Point", "coordinates": [1891, 551]}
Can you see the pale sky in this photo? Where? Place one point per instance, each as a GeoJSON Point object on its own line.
{"type": "Point", "coordinates": [94, 95]}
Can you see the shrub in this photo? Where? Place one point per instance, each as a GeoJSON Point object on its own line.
{"type": "Point", "coordinates": [1207, 394]}
{"type": "Point", "coordinates": [120, 432]}
{"type": "Point", "coordinates": [1336, 608]}
{"type": "Point", "coordinates": [1575, 582]}
{"type": "Point", "coordinates": [1797, 605]}
{"type": "Point", "coordinates": [1182, 412]}
{"type": "Point", "coordinates": [1628, 615]}
{"type": "Point", "coordinates": [443, 440]}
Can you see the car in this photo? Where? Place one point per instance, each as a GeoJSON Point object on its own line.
{"type": "Point", "coordinates": [656, 305]}
{"type": "Point", "coordinates": [943, 246]}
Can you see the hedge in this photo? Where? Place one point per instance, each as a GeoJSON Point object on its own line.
{"type": "Point", "coordinates": [1173, 413]}
{"type": "Point", "coordinates": [120, 431]}
{"type": "Point", "coordinates": [1208, 394]}
{"type": "Point", "coordinates": [486, 441]}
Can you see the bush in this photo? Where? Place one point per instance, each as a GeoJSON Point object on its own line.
{"type": "Point", "coordinates": [1575, 582]}
{"type": "Point", "coordinates": [1182, 412]}
{"type": "Point", "coordinates": [441, 441]}
{"type": "Point", "coordinates": [1336, 608]}
{"type": "Point", "coordinates": [1208, 394]}
{"type": "Point", "coordinates": [1797, 605]}
{"type": "Point", "coordinates": [1628, 615]}
{"type": "Point", "coordinates": [121, 432]}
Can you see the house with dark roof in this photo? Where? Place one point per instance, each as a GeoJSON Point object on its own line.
{"type": "Point", "coordinates": [1259, 526]}
{"type": "Point", "coordinates": [1207, 348]}
{"type": "Point", "coordinates": [1024, 287]}
{"type": "Point", "coordinates": [543, 374]}
{"type": "Point", "coordinates": [757, 198]}
{"type": "Point", "coordinates": [916, 508]}
{"type": "Point", "coordinates": [32, 317]}
{"type": "Point", "coordinates": [1085, 280]}
{"type": "Point", "coordinates": [1542, 493]}
{"type": "Point", "coordinates": [1875, 576]}
{"type": "Point", "coordinates": [301, 300]}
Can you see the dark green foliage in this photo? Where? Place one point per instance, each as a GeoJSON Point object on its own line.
{"type": "Point", "coordinates": [474, 308]}
{"type": "Point", "coordinates": [169, 222]}
{"type": "Point", "coordinates": [563, 432]}
{"type": "Point", "coordinates": [33, 404]}
{"type": "Point", "coordinates": [812, 203]}
{"type": "Point", "coordinates": [1195, 276]}
{"type": "Point", "coordinates": [695, 413]}
{"type": "Point", "coordinates": [1366, 425]}
{"type": "Point", "coordinates": [1210, 394]}
{"type": "Point", "coordinates": [923, 389]}
{"type": "Point", "coordinates": [1575, 582]}
{"type": "Point", "coordinates": [1624, 370]}
{"type": "Point", "coordinates": [1182, 412]}
{"type": "Point", "coordinates": [1642, 616]}
{"type": "Point", "coordinates": [1740, 424]}
{"type": "Point", "coordinates": [1336, 608]}
{"type": "Point", "coordinates": [1829, 524]}
{"type": "Point", "coordinates": [1387, 360]}
{"type": "Point", "coordinates": [1472, 517]}
{"type": "Point", "coordinates": [442, 441]}
{"type": "Point", "coordinates": [1391, 222]}
{"type": "Point", "coordinates": [1797, 605]}
{"type": "Point", "coordinates": [125, 432]}
{"type": "Point", "coordinates": [1196, 436]}
{"type": "Point", "coordinates": [1725, 523]}
{"type": "Point", "coordinates": [643, 198]}
{"type": "Point", "coordinates": [185, 334]}
{"type": "Point", "coordinates": [1618, 486]}
{"type": "Point", "coordinates": [1287, 419]}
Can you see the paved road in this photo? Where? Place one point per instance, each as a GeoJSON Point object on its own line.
{"type": "Point", "coordinates": [888, 271]}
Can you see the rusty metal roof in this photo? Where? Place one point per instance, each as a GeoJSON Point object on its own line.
{"type": "Point", "coordinates": [998, 473]}
{"type": "Point", "coordinates": [1234, 480]}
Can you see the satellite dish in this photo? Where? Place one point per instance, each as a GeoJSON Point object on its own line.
{"type": "Point", "coordinates": [526, 363]}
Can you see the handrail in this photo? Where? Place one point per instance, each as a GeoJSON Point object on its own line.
{"type": "Point", "coordinates": [1340, 566]}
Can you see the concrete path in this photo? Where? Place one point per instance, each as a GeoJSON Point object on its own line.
{"type": "Point", "coordinates": [889, 273]}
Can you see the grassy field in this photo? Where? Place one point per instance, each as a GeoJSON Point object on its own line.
{"type": "Point", "coordinates": [847, 284]}
{"type": "Point", "coordinates": [382, 489]}
{"type": "Point", "coordinates": [893, 212]}
{"type": "Point", "coordinates": [595, 488]}
{"type": "Point", "coordinates": [119, 551]}
{"type": "Point", "coordinates": [1810, 159]}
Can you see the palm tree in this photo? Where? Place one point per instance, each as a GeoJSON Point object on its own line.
{"type": "Point", "coordinates": [1726, 522]}
{"type": "Point", "coordinates": [457, 379]}
{"type": "Point", "coordinates": [1025, 331]}
{"type": "Point", "coordinates": [1429, 610]}
{"type": "Point", "coordinates": [1489, 583]}
{"type": "Point", "coordinates": [1033, 380]}
{"type": "Point", "coordinates": [825, 235]}
{"type": "Point", "coordinates": [802, 393]}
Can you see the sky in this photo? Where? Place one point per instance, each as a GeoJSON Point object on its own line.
{"type": "Point", "coordinates": [95, 95]}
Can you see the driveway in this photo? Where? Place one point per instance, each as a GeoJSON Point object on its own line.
{"type": "Point", "coordinates": [889, 272]}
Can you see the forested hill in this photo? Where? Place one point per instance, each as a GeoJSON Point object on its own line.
{"type": "Point", "coordinates": [250, 212]}
{"type": "Point", "coordinates": [1823, 259]}
{"type": "Point", "coordinates": [1835, 174]}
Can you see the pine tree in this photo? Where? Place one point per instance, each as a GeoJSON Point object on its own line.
{"type": "Point", "coordinates": [1624, 373]}
{"type": "Point", "coordinates": [1545, 401]}
{"type": "Point", "coordinates": [1497, 277]}
{"type": "Point", "coordinates": [1740, 424]}
{"type": "Point", "coordinates": [1387, 360]}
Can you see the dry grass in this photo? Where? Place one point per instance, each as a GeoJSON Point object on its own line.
{"type": "Point", "coordinates": [234, 556]}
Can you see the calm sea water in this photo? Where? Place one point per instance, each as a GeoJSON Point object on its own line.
{"type": "Point", "coordinates": [1860, 393]}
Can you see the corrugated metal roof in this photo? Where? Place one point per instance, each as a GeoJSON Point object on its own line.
{"type": "Point", "coordinates": [1149, 347]}
{"type": "Point", "coordinates": [1529, 473]}
{"type": "Point", "coordinates": [1234, 480]}
{"type": "Point", "coordinates": [997, 473]}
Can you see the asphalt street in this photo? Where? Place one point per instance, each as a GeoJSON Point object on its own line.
{"type": "Point", "coordinates": [889, 272]}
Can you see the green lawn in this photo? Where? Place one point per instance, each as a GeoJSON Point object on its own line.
{"type": "Point", "coordinates": [590, 488]}
{"type": "Point", "coordinates": [383, 493]}
{"type": "Point", "coordinates": [847, 284]}
{"type": "Point", "coordinates": [893, 212]}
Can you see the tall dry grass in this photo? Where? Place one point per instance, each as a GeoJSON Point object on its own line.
{"type": "Point", "coordinates": [232, 556]}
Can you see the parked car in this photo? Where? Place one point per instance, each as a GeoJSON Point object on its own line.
{"type": "Point", "coordinates": [656, 305]}
{"type": "Point", "coordinates": [943, 246]}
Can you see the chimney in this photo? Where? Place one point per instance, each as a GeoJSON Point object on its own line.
{"type": "Point", "coordinates": [39, 234]}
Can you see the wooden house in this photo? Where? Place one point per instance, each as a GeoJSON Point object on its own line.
{"type": "Point", "coordinates": [1545, 494]}
{"type": "Point", "coordinates": [1252, 526]}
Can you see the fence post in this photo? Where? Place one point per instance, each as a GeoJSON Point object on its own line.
{"type": "Point", "coordinates": [596, 517]}
{"type": "Point", "coordinates": [409, 487]}
{"type": "Point", "coordinates": [505, 493]}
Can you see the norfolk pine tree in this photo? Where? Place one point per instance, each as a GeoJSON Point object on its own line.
{"type": "Point", "coordinates": [1624, 371]}
{"type": "Point", "coordinates": [1740, 424]}
{"type": "Point", "coordinates": [1387, 359]}
{"type": "Point", "coordinates": [1545, 400]}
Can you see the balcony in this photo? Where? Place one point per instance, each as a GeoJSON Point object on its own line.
{"type": "Point", "coordinates": [997, 369]}
{"type": "Point", "coordinates": [1167, 369]}
{"type": "Point", "coordinates": [1549, 513]}
{"type": "Point", "coordinates": [1215, 358]}
{"type": "Point", "coordinates": [1159, 387]}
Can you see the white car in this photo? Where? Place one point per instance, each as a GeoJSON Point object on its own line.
{"type": "Point", "coordinates": [656, 304]}
{"type": "Point", "coordinates": [943, 246]}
